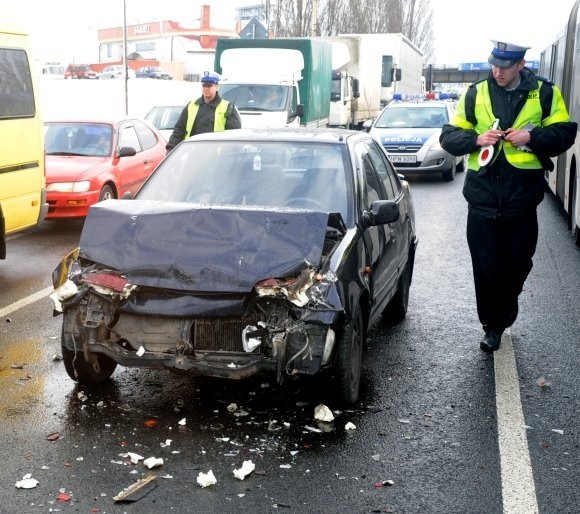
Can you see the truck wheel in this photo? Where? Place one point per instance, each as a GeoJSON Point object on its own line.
{"type": "Point", "coordinates": [349, 360]}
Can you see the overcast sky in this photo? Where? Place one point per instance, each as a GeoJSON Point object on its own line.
{"type": "Point", "coordinates": [462, 28]}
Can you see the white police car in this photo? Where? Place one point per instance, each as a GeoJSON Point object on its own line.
{"type": "Point", "coordinates": [409, 131]}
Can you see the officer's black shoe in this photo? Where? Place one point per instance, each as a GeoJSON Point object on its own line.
{"type": "Point", "coordinates": [491, 340]}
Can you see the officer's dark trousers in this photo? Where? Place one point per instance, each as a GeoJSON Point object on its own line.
{"type": "Point", "coordinates": [501, 254]}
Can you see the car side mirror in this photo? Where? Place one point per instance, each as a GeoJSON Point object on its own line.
{"type": "Point", "coordinates": [300, 110]}
{"type": "Point", "coordinates": [126, 151]}
{"type": "Point", "coordinates": [367, 125]}
{"type": "Point", "coordinates": [381, 213]}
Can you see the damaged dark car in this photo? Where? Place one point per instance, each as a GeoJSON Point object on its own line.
{"type": "Point", "coordinates": [246, 252]}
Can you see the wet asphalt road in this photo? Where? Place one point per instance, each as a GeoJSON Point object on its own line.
{"type": "Point", "coordinates": [426, 418]}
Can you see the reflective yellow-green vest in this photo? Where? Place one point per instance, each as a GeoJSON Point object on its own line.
{"type": "Point", "coordinates": [219, 122]}
{"type": "Point", "coordinates": [530, 113]}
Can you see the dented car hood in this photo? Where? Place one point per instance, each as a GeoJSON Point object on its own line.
{"type": "Point", "coordinates": [201, 248]}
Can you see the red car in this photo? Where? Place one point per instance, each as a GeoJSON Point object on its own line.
{"type": "Point", "coordinates": [90, 161]}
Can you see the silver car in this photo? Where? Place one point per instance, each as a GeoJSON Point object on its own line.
{"type": "Point", "coordinates": [409, 132]}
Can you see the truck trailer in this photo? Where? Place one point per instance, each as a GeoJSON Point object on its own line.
{"type": "Point", "coordinates": [276, 82]}
{"type": "Point", "coordinates": [368, 69]}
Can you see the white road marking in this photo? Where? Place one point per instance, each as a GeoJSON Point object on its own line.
{"type": "Point", "coordinates": [43, 293]}
{"type": "Point", "coordinates": [518, 490]}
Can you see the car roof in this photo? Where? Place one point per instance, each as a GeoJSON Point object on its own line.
{"type": "Point", "coordinates": [96, 119]}
{"type": "Point", "coordinates": [296, 134]}
{"type": "Point", "coordinates": [393, 105]}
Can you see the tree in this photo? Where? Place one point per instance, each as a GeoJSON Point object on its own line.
{"type": "Point", "coordinates": [412, 18]}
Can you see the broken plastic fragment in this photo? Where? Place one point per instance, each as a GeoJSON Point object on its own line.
{"type": "Point", "coordinates": [323, 413]}
{"type": "Point", "coordinates": [206, 479]}
{"type": "Point", "coordinates": [232, 407]}
{"type": "Point", "coordinates": [135, 458]}
{"type": "Point", "coordinates": [350, 426]}
{"type": "Point", "coordinates": [66, 290]}
{"type": "Point", "coordinates": [27, 482]}
{"type": "Point", "coordinates": [247, 467]}
{"type": "Point", "coordinates": [561, 432]}
{"type": "Point", "coordinates": [383, 483]}
{"type": "Point", "coordinates": [312, 429]}
{"type": "Point", "coordinates": [250, 343]}
{"type": "Point", "coordinates": [150, 423]}
{"type": "Point", "coordinates": [140, 352]}
{"type": "Point", "coordinates": [64, 497]}
{"type": "Point", "coordinates": [182, 422]}
{"type": "Point", "coordinates": [54, 436]}
{"type": "Point", "coordinates": [153, 462]}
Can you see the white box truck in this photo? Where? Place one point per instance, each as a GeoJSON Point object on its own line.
{"type": "Point", "coordinates": [367, 70]}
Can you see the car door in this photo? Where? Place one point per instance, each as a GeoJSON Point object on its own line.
{"type": "Point", "coordinates": [380, 241]}
{"type": "Point", "coordinates": [132, 171]}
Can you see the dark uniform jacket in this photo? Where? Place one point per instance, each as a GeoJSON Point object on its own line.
{"type": "Point", "coordinates": [204, 121]}
{"type": "Point", "coordinates": [500, 189]}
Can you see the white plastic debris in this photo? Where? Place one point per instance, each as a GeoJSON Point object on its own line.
{"type": "Point", "coordinates": [153, 462]}
{"type": "Point", "coordinates": [206, 479]}
{"type": "Point", "coordinates": [558, 431]}
{"type": "Point", "coordinates": [135, 457]}
{"type": "Point", "coordinates": [232, 407]}
{"type": "Point", "coordinates": [66, 290]}
{"type": "Point", "coordinates": [231, 365]}
{"type": "Point", "coordinates": [140, 352]}
{"type": "Point", "coordinates": [312, 429]}
{"type": "Point", "coordinates": [323, 413]}
{"type": "Point", "coordinates": [82, 396]}
{"type": "Point", "coordinates": [350, 426]}
{"type": "Point", "coordinates": [250, 343]}
{"type": "Point", "coordinates": [27, 482]}
{"type": "Point", "coordinates": [247, 467]}
{"type": "Point", "coordinates": [182, 422]}
{"type": "Point", "coordinates": [285, 466]}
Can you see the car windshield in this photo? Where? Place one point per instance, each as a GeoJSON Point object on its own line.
{"type": "Point", "coordinates": [413, 117]}
{"type": "Point", "coordinates": [164, 118]}
{"type": "Point", "coordinates": [311, 176]}
{"type": "Point", "coordinates": [90, 139]}
{"type": "Point", "coordinates": [261, 97]}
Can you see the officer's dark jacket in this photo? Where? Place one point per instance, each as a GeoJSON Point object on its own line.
{"type": "Point", "coordinates": [204, 121]}
{"type": "Point", "coordinates": [500, 189]}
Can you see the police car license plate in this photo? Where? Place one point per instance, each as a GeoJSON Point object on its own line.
{"type": "Point", "coordinates": [403, 158]}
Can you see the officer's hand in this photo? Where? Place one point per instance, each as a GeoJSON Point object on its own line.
{"type": "Point", "coordinates": [517, 137]}
{"type": "Point", "coordinates": [491, 137]}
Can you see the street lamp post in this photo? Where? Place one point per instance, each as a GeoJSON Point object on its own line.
{"type": "Point", "coordinates": [125, 56]}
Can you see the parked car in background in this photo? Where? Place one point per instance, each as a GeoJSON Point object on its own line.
{"type": "Point", "coordinates": [153, 72]}
{"type": "Point", "coordinates": [246, 252]}
{"type": "Point", "coordinates": [88, 161]}
{"type": "Point", "coordinates": [79, 71]}
{"type": "Point", "coordinates": [116, 71]}
{"type": "Point", "coordinates": [164, 118]}
{"type": "Point", "coordinates": [409, 132]}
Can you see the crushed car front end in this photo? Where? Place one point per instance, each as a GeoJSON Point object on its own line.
{"type": "Point", "coordinates": [248, 291]}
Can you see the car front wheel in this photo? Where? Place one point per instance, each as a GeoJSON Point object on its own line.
{"type": "Point", "coordinates": [449, 175]}
{"type": "Point", "coordinates": [96, 370]}
{"type": "Point", "coordinates": [349, 360]}
{"type": "Point", "coordinates": [107, 193]}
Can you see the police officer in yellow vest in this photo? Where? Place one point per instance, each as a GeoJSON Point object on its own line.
{"type": "Point", "coordinates": [510, 124]}
{"type": "Point", "coordinates": [209, 113]}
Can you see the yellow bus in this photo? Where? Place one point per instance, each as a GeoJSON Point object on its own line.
{"type": "Point", "coordinates": [22, 175]}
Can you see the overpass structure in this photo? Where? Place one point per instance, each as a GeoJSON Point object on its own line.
{"type": "Point", "coordinates": [462, 74]}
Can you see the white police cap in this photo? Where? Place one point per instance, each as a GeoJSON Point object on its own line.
{"type": "Point", "coordinates": [210, 77]}
{"type": "Point", "coordinates": [506, 54]}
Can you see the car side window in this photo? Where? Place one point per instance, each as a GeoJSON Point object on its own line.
{"type": "Point", "coordinates": [385, 170]}
{"type": "Point", "coordinates": [128, 137]}
{"type": "Point", "coordinates": [373, 188]}
{"type": "Point", "coordinates": [145, 135]}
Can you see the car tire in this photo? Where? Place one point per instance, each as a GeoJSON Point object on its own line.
{"type": "Point", "coordinates": [396, 310]}
{"type": "Point", "coordinates": [107, 193]}
{"type": "Point", "coordinates": [97, 370]}
{"type": "Point", "coordinates": [349, 360]}
{"type": "Point", "coordinates": [462, 166]}
{"type": "Point", "coordinates": [572, 210]}
{"type": "Point", "coordinates": [449, 175]}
